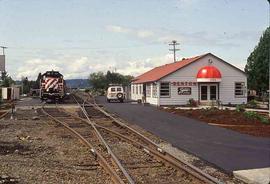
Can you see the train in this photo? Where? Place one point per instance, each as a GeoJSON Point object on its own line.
{"type": "Point", "coordinates": [52, 86]}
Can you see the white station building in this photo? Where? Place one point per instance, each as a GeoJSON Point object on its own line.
{"type": "Point", "coordinates": [205, 78]}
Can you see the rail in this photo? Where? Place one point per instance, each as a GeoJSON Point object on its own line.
{"type": "Point", "coordinates": [158, 151]}
{"type": "Point", "coordinates": [102, 161]}
{"type": "Point", "coordinates": [114, 157]}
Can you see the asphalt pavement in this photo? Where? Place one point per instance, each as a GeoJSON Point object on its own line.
{"type": "Point", "coordinates": [224, 148]}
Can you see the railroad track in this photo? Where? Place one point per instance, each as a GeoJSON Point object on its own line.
{"type": "Point", "coordinates": [85, 134]}
{"type": "Point", "coordinates": [111, 128]}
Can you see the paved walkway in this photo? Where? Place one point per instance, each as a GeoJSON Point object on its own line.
{"type": "Point", "coordinates": [226, 149]}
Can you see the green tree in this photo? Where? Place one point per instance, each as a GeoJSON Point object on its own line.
{"type": "Point", "coordinates": [100, 81]}
{"type": "Point", "coordinates": [26, 85]}
{"type": "Point", "coordinates": [257, 66]}
{"type": "Point", "coordinates": [6, 80]}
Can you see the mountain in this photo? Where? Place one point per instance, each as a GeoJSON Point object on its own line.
{"type": "Point", "coordinates": [78, 83]}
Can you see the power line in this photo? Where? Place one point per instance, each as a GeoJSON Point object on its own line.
{"type": "Point", "coordinates": [174, 43]}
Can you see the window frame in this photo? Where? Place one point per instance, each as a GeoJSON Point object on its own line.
{"type": "Point", "coordinates": [148, 91]}
{"type": "Point", "coordinates": [165, 96]}
{"type": "Point", "coordinates": [243, 89]}
{"type": "Point", "coordinates": [154, 90]}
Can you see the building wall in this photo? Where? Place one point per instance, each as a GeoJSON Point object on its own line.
{"type": "Point", "coordinates": [153, 99]}
{"type": "Point", "coordinates": [136, 95]}
{"type": "Point", "coordinates": [150, 98]}
{"type": "Point", "coordinates": [230, 75]}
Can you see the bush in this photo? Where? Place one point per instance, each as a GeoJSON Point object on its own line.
{"type": "Point", "coordinates": [252, 104]}
{"type": "Point", "coordinates": [255, 116]}
{"type": "Point", "coordinates": [192, 103]}
{"type": "Point", "coordinates": [264, 120]}
{"type": "Point", "coordinates": [251, 115]}
{"type": "Point", "coordinates": [240, 108]}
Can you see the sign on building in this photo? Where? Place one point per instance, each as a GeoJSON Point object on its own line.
{"type": "Point", "coordinates": [2, 63]}
{"type": "Point", "coordinates": [184, 91]}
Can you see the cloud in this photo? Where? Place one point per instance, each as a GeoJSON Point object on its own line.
{"type": "Point", "coordinates": [117, 29]}
{"type": "Point", "coordinates": [81, 67]}
{"type": "Point", "coordinates": [139, 33]}
{"type": "Point", "coordinates": [144, 34]}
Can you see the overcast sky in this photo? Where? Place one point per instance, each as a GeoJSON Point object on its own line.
{"type": "Point", "coordinates": [78, 37]}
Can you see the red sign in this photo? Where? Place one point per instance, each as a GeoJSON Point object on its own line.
{"type": "Point", "coordinates": [184, 83]}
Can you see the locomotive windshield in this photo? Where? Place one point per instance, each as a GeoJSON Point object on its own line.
{"type": "Point", "coordinates": [53, 74]}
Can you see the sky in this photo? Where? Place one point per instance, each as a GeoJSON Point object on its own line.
{"type": "Point", "coordinates": [78, 37]}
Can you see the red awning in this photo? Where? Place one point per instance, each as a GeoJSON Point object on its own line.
{"type": "Point", "coordinates": [209, 74]}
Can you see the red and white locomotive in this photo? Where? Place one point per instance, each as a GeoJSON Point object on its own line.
{"type": "Point", "coordinates": [52, 86]}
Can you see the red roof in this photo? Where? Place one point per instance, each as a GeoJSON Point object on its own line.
{"type": "Point", "coordinates": [209, 72]}
{"type": "Point", "coordinates": [164, 70]}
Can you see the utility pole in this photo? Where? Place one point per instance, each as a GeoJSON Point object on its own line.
{"type": "Point", "coordinates": [174, 43]}
{"type": "Point", "coordinates": [269, 61]}
{"type": "Point", "coordinates": [3, 47]}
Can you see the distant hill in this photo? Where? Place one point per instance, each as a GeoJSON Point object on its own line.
{"type": "Point", "coordinates": [77, 83]}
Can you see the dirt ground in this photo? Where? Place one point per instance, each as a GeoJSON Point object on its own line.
{"type": "Point", "coordinates": [227, 119]}
{"type": "Point", "coordinates": [36, 150]}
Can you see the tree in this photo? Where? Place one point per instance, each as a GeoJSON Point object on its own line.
{"type": "Point", "coordinates": [26, 85]}
{"type": "Point", "coordinates": [6, 80]}
{"type": "Point", "coordinates": [36, 84]}
{"type": "Point", "coordinates": [100, 81]}
{"type": "Point", "coordinates": [257, 67]}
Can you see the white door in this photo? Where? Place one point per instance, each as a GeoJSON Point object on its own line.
{"type": "Point", "coordinates": [208, 92]}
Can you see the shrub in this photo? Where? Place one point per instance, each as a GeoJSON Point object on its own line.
{"type": "Point", "coordinates": [192, 102]}
{"type": "Point", "coordinates": [252, 104]}
{"type": "Point", "coordinates": [264, 120]}
{"type": "Point", "coordinates": [251, 115]}
{"type": "Point", "coordinates": [240, 108]}
{"type": "Point", "coordinates": [255, 116]}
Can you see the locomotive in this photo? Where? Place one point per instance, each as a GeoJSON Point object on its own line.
{"type": "Point", "coordinates": [52, 86]}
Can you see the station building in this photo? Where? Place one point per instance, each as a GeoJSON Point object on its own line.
{"type": "Point", "coordinates": [206, 79]}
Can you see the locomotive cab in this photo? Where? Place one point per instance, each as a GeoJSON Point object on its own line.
{"type": "Point", "coordinates": [52, 86]}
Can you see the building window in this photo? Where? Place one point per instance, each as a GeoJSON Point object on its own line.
{"type": "Point", "coordinates": [136, 89]}
{"type": "Point", "coordinates": [140, 89]}
{"type": "Point", "coordinates": [154, 91]}
{"type": "Point", "coordinates": [148, 90]}
{"type": "Point", "coordinates": [133, 89]}
{"type": "Point", "coordinates": [239, 89]}
{"type": "Point", "coordinates": [165, 89]}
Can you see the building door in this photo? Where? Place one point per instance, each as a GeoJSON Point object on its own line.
{"type": "Point", "coordinates": [208, 92]}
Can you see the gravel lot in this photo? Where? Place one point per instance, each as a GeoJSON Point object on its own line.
{"type": "Point", "coordinates": [40, 151]}
{"type": "Point", "coordinates": [33, 149]}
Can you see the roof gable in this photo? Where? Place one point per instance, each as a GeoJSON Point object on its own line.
{"type": "Point", "coordinates": [164, 70]}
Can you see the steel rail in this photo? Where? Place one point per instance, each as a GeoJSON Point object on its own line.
{"type": "Point", "coordinates": [161, 152]}
{"type": "Point", "coordinates": [102, 161]}
{"type": "Point", "coordinates": [147, 150]}
{"type": "Point", "coordinates": [114, 157]}
{"type": "Point", "coordinates": [4, 114]}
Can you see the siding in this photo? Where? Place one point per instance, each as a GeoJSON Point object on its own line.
{"type": "Point", "coordinates": [134, 95]}
{"type": "Point", "coordinates": [230, 75]}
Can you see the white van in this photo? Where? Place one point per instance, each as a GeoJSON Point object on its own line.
{"type": "Point", "coordinates": [115, 93]}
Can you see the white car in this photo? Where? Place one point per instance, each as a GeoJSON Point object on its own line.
{"type": "Point", "coordinates": [115, 93]}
